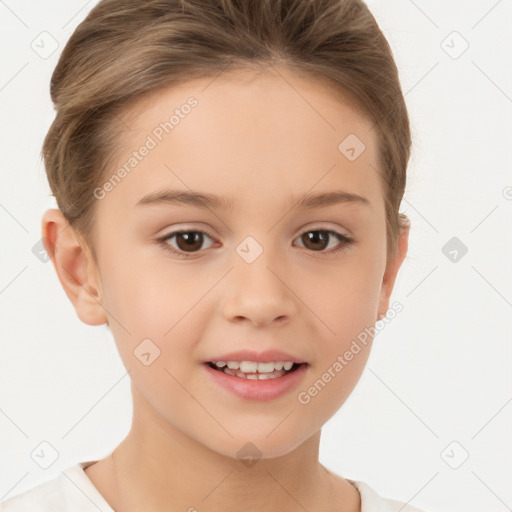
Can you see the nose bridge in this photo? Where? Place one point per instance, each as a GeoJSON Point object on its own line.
{"type": "Point", "coordinates": [257, 290]}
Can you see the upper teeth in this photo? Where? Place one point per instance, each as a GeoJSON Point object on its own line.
{"type": "Point", "coordinates": [253, 367]}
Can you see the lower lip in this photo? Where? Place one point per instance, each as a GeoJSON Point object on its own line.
{"type": "Point", "coordinates": [258, 390]}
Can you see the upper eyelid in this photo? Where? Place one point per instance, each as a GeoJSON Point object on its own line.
{"type": "Point", "coordinates": [206, 232]}
{"type": "Point", "coordinates": [315, 227]}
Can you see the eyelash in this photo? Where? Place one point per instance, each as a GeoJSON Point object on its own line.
{"type": "Point", "coordinates": [346, 241]}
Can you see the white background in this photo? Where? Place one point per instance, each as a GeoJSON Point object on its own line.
{"type": "Point", "coordinates": [440, 372]}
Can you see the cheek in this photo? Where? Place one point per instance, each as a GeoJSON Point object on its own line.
{"type": "Point", "coordinates": [155, 311]}
{"type": "Point", "coordinates": [344, 299]}
{"type": "Point", "coordinates": [151, 294]}
{"type": "Point", "coordinates": [329, 388]}
{"type": "Point", "coordinates": [340, 361]}
{"type": "Point", "coordinates": [346, 304]}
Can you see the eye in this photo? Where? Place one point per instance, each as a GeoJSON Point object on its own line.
{"type": "Point", "coordinates": [186, 240]}
{"type": "Point", "coordinates": [315, 239]}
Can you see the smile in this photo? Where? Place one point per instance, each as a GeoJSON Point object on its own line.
{"type": "Point", "coordinates": [249, 381]}
{"type": "Point", "coordinates": [254, 370]}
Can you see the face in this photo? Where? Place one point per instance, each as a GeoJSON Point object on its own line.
{"type": "Point", "coordinates": [259, 271]}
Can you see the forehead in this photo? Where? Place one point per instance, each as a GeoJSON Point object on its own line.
{"type": "Point", "coordinates": [248, 133]}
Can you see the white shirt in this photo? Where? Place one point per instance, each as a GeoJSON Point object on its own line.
{"type": "Point", "coordinates": [72, 491]}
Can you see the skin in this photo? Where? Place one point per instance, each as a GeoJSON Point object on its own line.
{"type": "Point", "coordinates": [260, 138]}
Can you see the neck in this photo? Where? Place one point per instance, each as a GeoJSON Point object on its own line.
{"type": "Point", "coordinates": [158, 467]}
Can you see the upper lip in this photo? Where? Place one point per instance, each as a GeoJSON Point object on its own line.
{"type": "Point", "coordinates": [267, 356]}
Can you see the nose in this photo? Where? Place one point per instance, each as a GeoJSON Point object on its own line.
{"type": "Point", "coordinates": [259, 295]}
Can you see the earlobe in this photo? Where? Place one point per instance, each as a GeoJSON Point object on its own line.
{"type": "Point", "coordinates": [74, 266]}
{"type": "Point", "coordinates": [392, 268]}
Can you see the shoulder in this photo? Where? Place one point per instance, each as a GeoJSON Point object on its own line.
{"type": "Point", "coordinates": [44, 497]}
{"type": "Point", "coordinates": [71, 490]}
{"type": "Point", "coordinates": [373, 502]}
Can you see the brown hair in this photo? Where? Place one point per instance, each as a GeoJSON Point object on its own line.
{"type": "Point", "coordinates": [127, 48]}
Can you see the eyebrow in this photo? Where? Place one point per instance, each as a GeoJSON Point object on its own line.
{"type": "Point", "coordinates": [213, 202]}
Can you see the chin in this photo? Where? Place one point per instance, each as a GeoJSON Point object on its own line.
{"type": "Point", "coordinates": [252, 448]}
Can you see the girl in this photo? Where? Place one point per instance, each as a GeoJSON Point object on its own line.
{"type": "Point", "coordinates": [228, 175]}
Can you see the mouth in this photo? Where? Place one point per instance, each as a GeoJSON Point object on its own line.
{"type": "Point", "coordinates": [255, 371]}
{"type": "Point", "coordinates": [257, 381]}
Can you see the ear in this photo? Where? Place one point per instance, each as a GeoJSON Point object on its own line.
{"type": "Point", "coordinates": [75, 267]}
{"type": "Point", "coordinates": [392, 267]}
